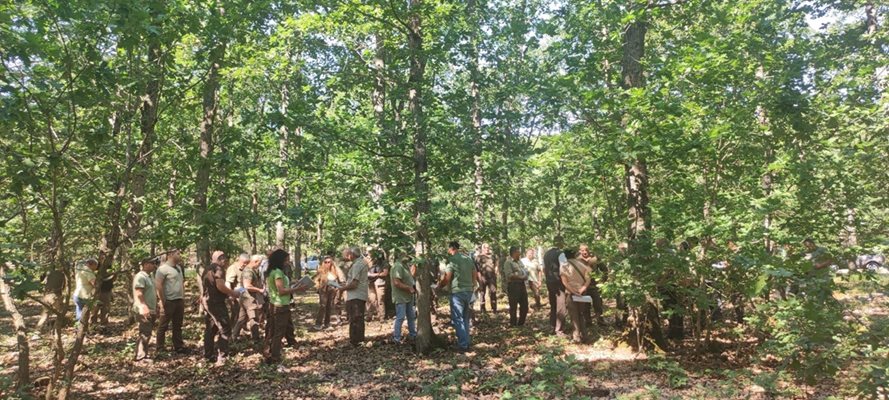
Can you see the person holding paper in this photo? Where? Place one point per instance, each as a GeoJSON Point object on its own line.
{"type": "Point", "coordinates": [575, 276]}
{"type": "Point", "coordinates": [356, 293]}
{"type": "Point", "coordinates": [327, 280]}
{"type": "Point", "coordinates": [517, 292]}
{"type": "Point", "coordinates": [280, 292]}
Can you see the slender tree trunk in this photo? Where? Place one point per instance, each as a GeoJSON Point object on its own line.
{"type": "Point", "coordinates": [23, 373]}
{"type": "Point", "coordinates": [254, 209]}
{"type": "Point", "coordinates": [475, 115]}
{"type": "Point", "coordinates": [283, 133]}
{"type": "Point", "coordinates": [208, 126]}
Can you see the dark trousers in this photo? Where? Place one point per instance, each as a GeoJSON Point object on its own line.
{"type": "Point", "coordinates": [103, 308]}
{"type": "Point", "coordinates": [487, 285]}
{"type": "Point", "coordinates": [355, 310]}
{"type": "Point", "coordinates": [579, 313]}
{"type": "Point", "coordinates": [598, 306]}
{"type": "Point", "coordinates": [249, 317]}
{"type": "Point", "coordinates": [518, 302]}
{"type": "Point", "coordinates": [557, 308]}
{"type": "Point", "coordinates": [146, 326]}
{"type": "Point", "coordinates": [174, 312]}
{"type": "Point", "coordinates": [278, 324]}
{"type": "Point", "coordinates": [217, 331]}
{"type": "Point", "coordinates": [326, 299]}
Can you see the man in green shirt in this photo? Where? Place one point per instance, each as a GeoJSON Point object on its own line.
{"type": "Point", "coordinates": [516, 276]}
{"type": "Point", "coordinates": [403, 296]}
{"type": "Point", "coordinates": [144, 305]}
{"type": "Point", "coordinates": [460, 275]}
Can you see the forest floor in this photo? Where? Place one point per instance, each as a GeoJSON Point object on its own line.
{"type": "Point", "coordinates": [505, 362]}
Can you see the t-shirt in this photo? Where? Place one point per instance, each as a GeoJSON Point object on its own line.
{"type": "Point", "coordinates": [85, 281]}
{"type": "Point", "coordinates": [255, 278]}
{"type": "Point", "coordinates": [399, 271]}
{"type": "Point", "coordinates": [462, 268]}
{"type": "Point", "coordinates": [358, 271]}
{"type": "Point", "coordinates": [233, 275]}
{"type": "Point", "coordinates": [211, 292]}
{"type": "Point", "coordinates": [55, 282]}
{"type": "Point", "coordinates": [533, 268]}
{"type": "Point", "coordinates": [144, 281]}
{"type": "Point", "coordinates": [486, 265]}
{"type": "Point", "coordinates": [172, 281]}
{"type": "Point", "coordinates": [275, 298]}
{"type": "Point", "coordinates": [514, 269]}
{"type": "Point", "coordinates": [576, 274]}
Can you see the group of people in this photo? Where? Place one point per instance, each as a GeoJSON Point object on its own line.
{"type": "Point", "coordinates": [253, 294]}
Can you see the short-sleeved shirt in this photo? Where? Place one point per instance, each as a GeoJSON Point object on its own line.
{"type": "Point", "coordinates": [533, 268]}
{"type": "Point", "coordinates": [233, 275]}
{"type": "Point", "coordinates": [211, 292]}
{"type": "Point", "coordinates": [172, 281]}
{"type": "Point", "coordinates": [576, 274]}
{"type": "Point", "coordinates": [461, 268]}
{"type": "Point", "coordinates": [513, 269]}
{"type": "Point", "coordinates": [275, 298]}
{"type": "Point", "coordinates": [399, 271]}
{"type": "Point", "coordinates": [85, 280]}
{"type": "Point", "coordinates": [486, 265]}
{"type": "Point", "coordinates": [358, 271]}
{"type": "Point", "coordinates": [144, 281]}
{"type": "Point", "coordinates": [255, 278]}
{"type": "Point", "coordinates": [55, 282]}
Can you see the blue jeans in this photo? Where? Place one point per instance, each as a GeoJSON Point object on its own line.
{"type": "Point", "coordinates": [460, 318]}
{"type": "Point", "coordinates": [402, 311]}
{"type": "Point", "coordinates": [79, 304]}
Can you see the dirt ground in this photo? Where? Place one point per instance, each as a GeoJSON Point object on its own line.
{"type": "Point", "coordinates": [505, 362]}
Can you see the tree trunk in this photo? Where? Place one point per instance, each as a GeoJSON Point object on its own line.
{"type": "Point", "coordinates": [209, 122]}
{"type": "Point", "coordinates": [283, 134]}
{"type": "Point", "coordinates": [475, 115]}
{"type": "Point", "coordinates": [23, 373]}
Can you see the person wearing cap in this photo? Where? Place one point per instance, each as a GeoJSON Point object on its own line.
{"type": "Point", "coordinates": [170, 282]}
{"type": "Point", "coordinates": [403, 292]}
{"type": "Point", "coordinates": [144, 305]}
{"type": "Point", "coordinates": [217, 325]}
{"type": "Point", "coordinates": [85, 286]}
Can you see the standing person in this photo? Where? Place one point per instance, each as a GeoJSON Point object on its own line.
{"type": "Point", "coordinates": [535, 274]}
{"type": "Point", "coordinates": [403, 292]}
{"type": "Point", "coordinates": [575, 279]}
{"type": "Point", "coordinates": [217, 325]}
{"type": "Point", "coordinates": [233, 281]}
{"type": "Point", "coordinates": [85, 289]}
{"type": "Point", "coordinates": [145, 305]}
{"type": "Point", "coordinates": [278, 284]}
{"type": "Point", "coordinates": [53, 286]}
{"type": "Point", "coordinates": [252, 301]}
{"type": "Point", "coordinates": [170, 282]}
{"type": "Point", "coordinates": [553, 260]}
{"type": "Point", "coordinates": [378, 278]}
{"type": "Point", "coordinates": [327, 279]}
{"type": "Point", "coordinates": [592, 261]}
{"type": "Point", "coordinates": [460, 276]}
{"type": "Point", "coordinates": [516, 290]}
{"type": "Point", "coordinates": [339, 302]}
{"type": "Point", "coordinates": [356, 293]}
{"type": "Point", "coordinates": [487, 278]}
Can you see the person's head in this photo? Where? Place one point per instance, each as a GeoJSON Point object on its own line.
{"type": "Point", "coordinates": [218, 257]}
{"type": "Point", "coordinates": [172, 257]}
{"type": "Point", "coordinates": [810, 245]}
{"type": "Point", "coordinates": [277, 259]}
{"type": "Point", "coordinates": [453, 247]}
{"type": "Point", "coordinates": [149, 264]}
{"type": "Point", "coordinates": [92, 264]}
{"type": "Point", "coordinates": [559, 241]}
{"type": "Point", "coordinates": [256, 260]}
{"type": "Point", "coordinates": [584, 251]}
{"type": "Point", "coordinates": [530, 253]}
{"type": "Point", "coordinates": [485, 249]}
{"type": "Point", "coordinates": [622, 247]}
{"type": "Point", "coordinates": [243, 259]}
{"type": "Point", "coordinates": [515, 253]}
{"type": "Point", "coordinates": [570, 253]}
{"type": "Point", "coordinates": [327, 262]}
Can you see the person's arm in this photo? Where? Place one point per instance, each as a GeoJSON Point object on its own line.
{"type": "Point", "coordinates": [248, 286]}
{"type": "Point", "coordinates": [159, 288]}
{"type": "Point", "coordinates": [446, 280]}
{"type": "Point", "coordinates": [401, 285]}
{"type": "Point", "coordinates": [383, 274]}
{"type": "Point", "coordinates": [352, 282]}
{"type": "Point", "coordinates": [222, 287]}
{"type": "Point", "coordinates": [139, 294]}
